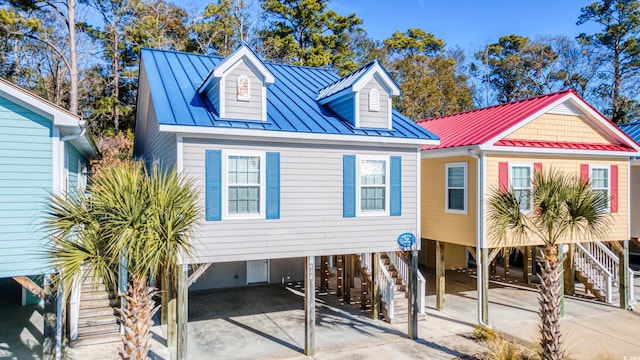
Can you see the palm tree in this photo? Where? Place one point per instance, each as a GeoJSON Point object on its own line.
{"type": "Point", "coordinates": [132, 217]}
{"type": "Point", "coordinates": [564, 209]}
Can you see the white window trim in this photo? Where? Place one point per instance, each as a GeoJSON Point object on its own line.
{"type": "Point", "coordinates": [465, 188]}
{"type": "Point", "coordinates": [359, 212]}
{"type": "Point", "coordinates": [531, 169]}
{"type": "Point", "coordinates": [243, 98]}
{"type": "Point", "coordinates": [225, 185]}
{"type": "Point", "coordinates": [608, 168]}
{"type": "Point", "coordinates": [374, 106]}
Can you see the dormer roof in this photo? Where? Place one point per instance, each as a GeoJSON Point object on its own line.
{"type": "Point", "coordinates": [245, 54]}
{"type": "Point", "coordinates": [354, 81]}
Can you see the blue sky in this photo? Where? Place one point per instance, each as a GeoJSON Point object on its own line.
{"type": "Point", "coordinates": [469, 23]}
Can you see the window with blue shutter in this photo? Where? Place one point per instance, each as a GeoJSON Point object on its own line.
{"type": "Point", "coordinates": [395, 183]}
{"type": "Point", "coordinates": [349, 186]}
{"type": "Point", "coordinates": [213, 185]}
{"type": "Point", "coordinates": [273, 185]}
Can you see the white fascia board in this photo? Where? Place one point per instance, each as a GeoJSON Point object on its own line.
{"type": "Point", "coordinates": [383, 77]}
{"type": "Point", "coordinates": [603, 123]}
{"type": "Point", "coordinates": [555, 152]}
{"type": "Point", "coordinates": [449, 152]}
{"type": "Point", "coordinates": [236, 56]}
{"type": "Point", "coordinates": [58, 115]}
{"type": "Point", "coordinates": [198, 131]}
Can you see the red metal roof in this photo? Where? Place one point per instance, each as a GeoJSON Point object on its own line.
{"type": "Point", "coordinates": [478, 126]}
{"type": "Point", "coordinates": [562, 145]}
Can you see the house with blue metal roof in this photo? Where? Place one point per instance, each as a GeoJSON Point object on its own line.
{"type": "Point", "coordinates": [293, 162]}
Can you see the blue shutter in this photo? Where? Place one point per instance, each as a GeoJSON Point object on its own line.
{"type": "Point", "coordinates": [395, 196]}
{"type": "Point", "coordinates": [273, 185]}
{"type": "Point", "coordinates": [213, 185]}
{"type": "Point", "coordinates": [349, 186]}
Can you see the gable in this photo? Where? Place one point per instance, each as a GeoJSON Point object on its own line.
{"type": "Point", "coordinates": [556, 127]}
{"type": "Point", "coordinates": [378, 117]}
{"type": "Point", "coordinates": [242, 101]}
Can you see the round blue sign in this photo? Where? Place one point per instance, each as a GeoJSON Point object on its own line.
{"type": "Point", "coordinates": [406, 240]}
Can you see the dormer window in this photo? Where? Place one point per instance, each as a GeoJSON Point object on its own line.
{"type": "Point", "coordinates": [374, 100]}
{"type": "Point", "coordinates": [243, 88]}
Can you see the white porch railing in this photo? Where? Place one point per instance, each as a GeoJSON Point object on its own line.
{"type": "Point", "coordinates": [404, 270]}
{"type": "Point", "coordinates": [386, 284]}
{"type": "Point", "coordinates": [594, 270]}
{"type": "Point", "coordinates": [610, 261]}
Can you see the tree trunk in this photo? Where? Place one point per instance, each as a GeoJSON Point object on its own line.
{"type": "Point", "coordinates": [116, 76]}
{"type": "Point", "coordinates": [73, 57]}
{"type": "Point", "coordinates": [549, 302]}
{"type": "Point", "coordinates": [137, 319]}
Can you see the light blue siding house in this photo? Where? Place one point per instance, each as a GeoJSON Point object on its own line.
{"type": "Point", "coordinates": [293, 162]}
{"type": "Point", "coordinates": [43, 149]}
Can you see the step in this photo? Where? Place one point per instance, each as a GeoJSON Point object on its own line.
{"type": "Point", "coordinates": [98, 303]}
{"type": "Point", "coordinates": [97, 320]}
{"type": "Point", "coordinates": [99, 329]}
{"type": "Point", "coordinates": [95, 295]}
{"type": "Point", "coordinates": [91, 312]}
{"type": "Point", "coordinates": [93, 287]}
{"type": "Point", "coordinates": [89, 340]}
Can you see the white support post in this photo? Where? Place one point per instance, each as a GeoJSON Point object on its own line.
{"type": "Point", "coordinates": [309, 306]}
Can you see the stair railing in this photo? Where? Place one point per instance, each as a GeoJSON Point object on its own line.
{"type": "Point", "coordinates": [594, 270]}
{"type": "Point", "coordinates": [605, 256]}
{"type": "Point", "coordinates": [404, 270]}
{"type": "Point", "coordinates": [386, 289]}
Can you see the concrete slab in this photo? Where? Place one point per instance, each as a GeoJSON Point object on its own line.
{"type": "Point", "coordinates": [590, 329]}
{"type": "Point", "coordinates": [20, 326]}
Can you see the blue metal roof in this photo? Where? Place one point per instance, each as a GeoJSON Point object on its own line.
{"type": "Point", "coordinates": [632, 129]}
{"type": "Point", "coordinates": [343, 83]}
{"type": "Point", "coordinates": [291, 101]}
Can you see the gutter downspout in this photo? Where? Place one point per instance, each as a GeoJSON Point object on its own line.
{"type": "Point", "coordinates": [74, 299]}
{"type": "Point", "coordinates": [479, 231]}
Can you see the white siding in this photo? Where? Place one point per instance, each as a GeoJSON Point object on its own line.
{"type": "Point", "coordinates": [311, 221]}
{"type": "Point", "coordinates": [246, 110]}
{"type": "Point", "coordinates": [374, 119]}
{"type": "Point", "coordinates": [566, 108]}
{"type": "Point", "coordinates": [158, 146]}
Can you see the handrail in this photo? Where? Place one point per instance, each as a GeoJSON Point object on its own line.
{"type": "Point", "coordinates": [386, 289]}
{"type": "Point", "coordinates": [365, 261]}
{"type": "Point", "coordinates": [598, 273]}
{"type": "Point", "coordinates": [606, 257]}
{"type": "Point", "coordinates": [404, 270]}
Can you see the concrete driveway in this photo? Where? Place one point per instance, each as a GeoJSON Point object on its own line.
{"type": "Point", "coordinates": [591, 330]}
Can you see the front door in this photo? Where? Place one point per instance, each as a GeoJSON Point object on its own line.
{"type": "Point", "coordinates": [257, 271]}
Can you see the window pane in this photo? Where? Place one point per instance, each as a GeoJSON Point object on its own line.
{"type": "Point", "coordinates": [372, 172]}
{"type": "Point", "coordinates": [600, 178]}
{"type": "Point", "coordinates": [456, 199]}
{"type": "Point", "coordinates": [244, 169]}
{"type": "Point", "coordinates": [244, 199]}
{"type": "Point", "coordinates": [524, 199]}
{"type": "Point", "coordinates": [372, 198]}
{"type": "Point", "coordinates": [521, 177]}
{"type": "Point", "coordinates": [455, 177]}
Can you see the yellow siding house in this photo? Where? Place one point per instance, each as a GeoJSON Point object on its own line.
{"type": "Point", "coordinates": [503, 145]}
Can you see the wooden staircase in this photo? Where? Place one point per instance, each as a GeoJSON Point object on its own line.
{"type": "Point", "coordinates": [97, 319]}
{"type": "Point", "coordinates": [597, 268]}
{"type": "Point", "coordinates": [400, 295]}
